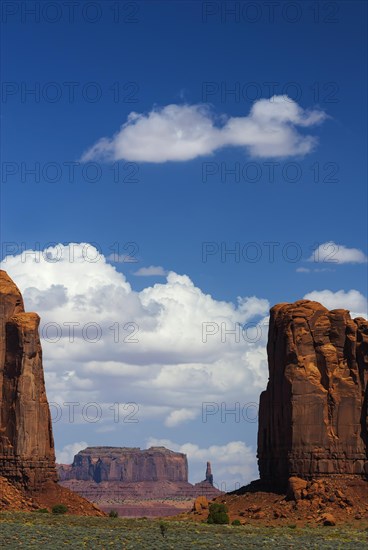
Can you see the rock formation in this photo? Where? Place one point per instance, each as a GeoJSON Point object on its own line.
{"type": "Point", "coordinates": [313, 415]}
{"type": "Point", "coordinates": [209, 476]}
{"type": "Point", "coordinates": [28, 476]}
{"type": "Point", "coordinates": [151, 482]}
{"type": "Point", "coordinates": [27, 455]}
{"type": "Point", "coordinates": [126, 464]}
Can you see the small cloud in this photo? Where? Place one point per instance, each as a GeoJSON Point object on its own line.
{"type": "Point", "coordinates": [352, 300]}
{"type": "Point", "coordinates": [151, 271]}
{"type": "Point", "coordinates": [330, 252]}
{"type": "Point", "coordinates": [179, 416]}
{"type": "Point", "coordinates": [315, 270]}
{"type": "Point", "coordinates": [122, 259]}
{"type": "Point", "coordinates": [67, 453]}
{"type": "Point", "coordinates": [68, 374]}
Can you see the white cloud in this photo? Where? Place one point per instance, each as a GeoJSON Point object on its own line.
{"type": "Point", "coordinates": [179, 416]}
{"type": "Point", "coordinates": [315, 270]}
{"type": "Point", "coordinates": [150, 271]}
{"type": "Point", "coordinates": [330, 252]}
{"type": "Point", "coordinates": [121, 259]}
{"type": "Point", "coordinates": [66, 455]}
{"type": "Point", "coordinates": [104, 342]}
{"type": "Point", "coordinates": [234, 463]}
{"type": "Point", "coordinates": [185, 132]}
{"type": "Point", "coordinates": [352, 300]}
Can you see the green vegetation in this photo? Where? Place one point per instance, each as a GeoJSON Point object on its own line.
{"type": "Point", "coordinates": [113, 514]}
{"type": "Point", "coordinates": [51, 532]}
{"type": "Point", "coordinates": [163, 528]}
{"type": "Point", "coordinates": [236, 522]}
{"type": "Point", "coordinates": [218, 514]}
{"type": "Point", "coordinates": [59, 509]}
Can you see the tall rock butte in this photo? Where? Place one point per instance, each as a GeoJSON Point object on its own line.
{"type": "Point", "coordinates": [28, 476]}
{"type": "Point", "coordinates": [27, 456]}
{"type": "Point", "coordinates": [313, 414]}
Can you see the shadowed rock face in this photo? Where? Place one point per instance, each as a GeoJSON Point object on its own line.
{"type": "Point", "coordinates": [27, 455]}
{"type": "Point", "coordinates": [126, 464]}
{"type": "Point", "coordinates": [313, 415]}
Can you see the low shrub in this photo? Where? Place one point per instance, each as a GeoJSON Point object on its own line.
{"type": "Point", "coordinates": [113, 514]}
{"type": "Point", "coordinates": [42, 511]}
{"type": "Point", "coordinates": [218, 514]}
{"type": "Point", "coordinates": [59, 509]}
{"type": "Point", "coordinates": [163, 528]}
{"type": "Point", "coordinates": [236, 522]}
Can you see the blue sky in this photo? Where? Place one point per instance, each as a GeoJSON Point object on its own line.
{"type": "Point", "coordinates": [189, 55]}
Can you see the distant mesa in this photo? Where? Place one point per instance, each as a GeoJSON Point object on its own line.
{"type": "Point", "coordinates": [313, 414]}
{"type": "Point", "coordinates": [135, 480]}
{"type": "Point", "coordinates": [126, 464]}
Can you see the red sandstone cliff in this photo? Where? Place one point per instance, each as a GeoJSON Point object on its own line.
{"type": "Point", "coordinates": [27, 455]}
{"type": "Point", "coordinates": [313, 415]}
{"type": "Point", "coordinates": [28, 476]}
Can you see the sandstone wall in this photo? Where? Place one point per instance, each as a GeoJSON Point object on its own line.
{"type": "Point", "coordinates": [27, 455]}
{"type": "Point", "coordinates": [313, 415]}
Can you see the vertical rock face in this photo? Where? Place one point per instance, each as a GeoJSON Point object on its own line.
{"type": "Point", "coordinates": [313, 415]}
{"type": "Point", "coordinates": [126, 464]}
{"type": "Point", "coordinates": [27, 455]}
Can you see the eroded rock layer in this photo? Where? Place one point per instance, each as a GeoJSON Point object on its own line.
{"type": "Point", "coordinates": [27, 455]}
{"type": "Point", "coordinates": [313, 415]}
{"type": "Point", "coordinates": [135, 482]}
{"type": "Point", "coordinates": [127, 464]}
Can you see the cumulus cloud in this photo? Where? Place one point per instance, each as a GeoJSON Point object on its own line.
{"type": "Point", "coordinates": [330, 252]}
{"type": "Point", "coordinates": [185, 132]}
{"type": "Point", "coordinates": [150, 271]}
{"type": "Point", "coordinates": [352, 300]}
{"type": "Point", "coordinates": [165, 348]}
{"type": "Point", "coordinates": [66, 454]}
{"type": "Point", "coordinates": [233, 464]}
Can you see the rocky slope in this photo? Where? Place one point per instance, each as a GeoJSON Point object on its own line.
{"type": "Point", "coordinates": [312, 433]}
{"type": "Point", "coordinates": [27, 457]}
{"type": "Point", "coordinates": [324, 501]}
{"type": "Point", "coordinates": [313, 415]}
